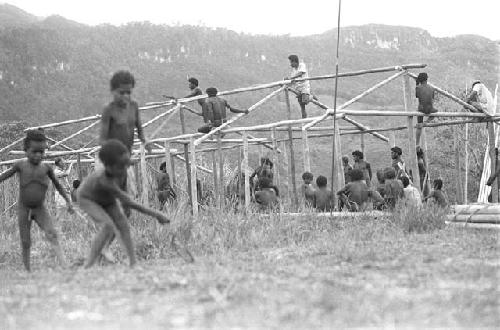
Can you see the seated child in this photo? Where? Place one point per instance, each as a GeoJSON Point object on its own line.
{"type": "Point", "coordinates": [356, 194]}
{"type": "Point", "coordinates": [99, 194]}
{"type": "Point", "coordinates": [307, 189]}
{"type": "Point", "coordinates": [323, 197]}
{"type": "Point", "coordinates": [437, 195]}
{"type": "Point", "coordinates": [381, 182]}
{"type": "Point", "coordinates": [34, 177]}
{"type": "Point", "coordinates": [268, 193]}
{"type": "Point", "coordinates": [412, 195]}
{"type": "Point", "coordinates": [76, 184]}
{"type": "Point", "coordinates": [393, 188]}
{"type": "Point", "coordinates": [265, 170]}
{"type": "Point", "coordinates": [165, 191]}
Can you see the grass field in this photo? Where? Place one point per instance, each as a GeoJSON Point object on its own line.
{"type": "Point", "coordinates": [262, 272]}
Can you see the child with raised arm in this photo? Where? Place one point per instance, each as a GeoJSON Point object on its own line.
{"type": "Point", "coordinates": [214, 111]}
{"type": "Point", "coordinates": [34, 179]}
{"type": "Point", "coordinates": [323, 197]}
{"type": "Point", "coordinates": [99, 194]}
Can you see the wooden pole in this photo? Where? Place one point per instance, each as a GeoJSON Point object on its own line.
{"type": "Point", "coordinates": [238, 181]}
{"type": "Point", "coordinates": [276, 157]}
{"type": "Point", "coordinates": [466, 165]}
{"type": "Point", "coordinates": [245, 166]}
{"type": "Point", "coordinates": [216, 179]}
{"type": "Point", "coordinates": [458, 180]}
{"type": "Point", "coordinates": [186, 157]}
{"type": "Point", "coordinates": [86, 128]}
{"type": "Point", "coordinates": [412, 151]}
{"type": "Point", "coordinates": [305, 151]}
{"type": "Point", "coordinates": [221, 170]}
{"type": "Point", "coordinates": [287, 170]}
{"type": "Point", "coordinates": [362, 144]}
{"type": "Point", "coordinates": [193, 187]}
{"type": "Point", "coordinates": [295, 199]}
{"type": "Point", "coordinates": [144, 178]}
{"type": "Point", "coordinates": [172, 170]}
{"type": "Point", "coordinates": [79, 165]}
{"type": "Point", "coordinates": [493, 162]}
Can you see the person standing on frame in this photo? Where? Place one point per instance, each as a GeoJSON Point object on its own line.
{"type": "Point", "coordinates": [303, 87]}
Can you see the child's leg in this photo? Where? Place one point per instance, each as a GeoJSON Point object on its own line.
{"type": "Point", "coordinates": [121, 223]}
{"type": "Point", "coordinates": [44, 221]}
{"type": "Point", "coordinates": [101, 218]}
{"type": "Point", "coordinates": [24, 223]}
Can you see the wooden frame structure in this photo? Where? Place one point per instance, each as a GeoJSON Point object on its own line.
{"type": "Point", "coordinates": [192, 142]}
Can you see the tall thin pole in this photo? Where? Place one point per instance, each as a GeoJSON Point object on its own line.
{"type": "Point", "coordinates": [334, 142]}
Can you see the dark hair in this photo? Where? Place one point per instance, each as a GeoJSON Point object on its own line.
{"type": "Point", "coordinates": [307, 175]}
{"type": "Point", "coordinates": [438, 183]}
{"type": "Point", "coordinates": [321, 181]}
{"type": "Point", "coordinates": [293, 58]}
{"type": "Point", "coordinates": [193, 81]}
{"type": "Point", "coordinates": [57, 160]}
{"type": "Point", "coordinates": [356, 174]}
{"type": "Point", "coordinates": [405, 181]}
{"type": "Point", "coordinates": [211, 91]}
{"type": "Point", "coordinates": [345, 159]}
{"type": "Point", "coordinates": [381, 176]}
{"type": "Point", "coordinates": [121, 77]}
{"type": "Point", "coordinates": [266, 160]}
{"type": "Point", "coordinates": [475, 83]}
{"type": "Point", "coordinates": [163, 166]}
{"type": "Point", "coordinates": [76, 184]}
{"type": "Point", "coordinates": [389, 173]}
{"type": "Point", "coordinates": [358, 153]}
{"type": "Point", "coordinates": [422, 76]}
{"type": "Point", "coordinates": [111, 151]}
{"type": "Point", "coordinates": [33, 135]}
{"type": "Point", "coordinates": [420, 152]}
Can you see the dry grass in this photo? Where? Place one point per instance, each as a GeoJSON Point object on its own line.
{"type": "Point", "coordinates": [261, 272]}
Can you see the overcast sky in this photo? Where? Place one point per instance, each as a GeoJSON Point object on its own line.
{"type": "Point", "coordinates": [439, 17]}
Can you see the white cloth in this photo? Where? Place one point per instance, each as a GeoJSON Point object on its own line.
{"type": "Point", "coordinates": [485, 98]}
{"type": "Point", "coordinates": [412, 195]}
{"type": "Point", "coordinates": [301, 86]}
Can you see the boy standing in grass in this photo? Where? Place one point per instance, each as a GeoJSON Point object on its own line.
{"type": "Point", "coordinates": [214, 111]}
{"type": "Point", "coordinates": [425, 95]}
{"type": "Point", "coordinates": [437, 196]}
{"type": "Point", "coordinates": [34, 179]}
{"type": "Point", "coordinates": [363, 166]}
{"type": "Point", "coordinates": [323, 197]}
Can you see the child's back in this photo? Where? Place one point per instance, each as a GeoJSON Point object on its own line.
{"type": "Point", "coordinates": [393, 192]}
{"type": "Point", "coordinates": [307, 191]}
{"type": "Point", "coordinates": [425, 96]}
{"type": "Point", "coordinates": [323, 199]}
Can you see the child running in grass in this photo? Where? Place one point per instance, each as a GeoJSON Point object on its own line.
{"type": "Point", "coordinates": [34, 179]}
{"type": "Point", "coordinates": [99, 194]}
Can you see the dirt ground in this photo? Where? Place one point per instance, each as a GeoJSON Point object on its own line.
{"type": "Point", "coordinates": [447, 278]}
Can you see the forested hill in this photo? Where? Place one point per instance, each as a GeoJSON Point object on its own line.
{"type": "Point", "coordinates": [53, 69]}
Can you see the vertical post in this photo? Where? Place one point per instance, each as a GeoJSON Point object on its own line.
{"type": "Point", "coordinates": [144, 177]}
{"type": "Point", "coordinates": [240, 173]}
{"type": "Point", "coordinates": [295, 199]}
{"type": "Point", "coordinates": [221, 170]}
{"type": "Point", "coordinates": [172, 170]}
{"type": "Point", "coordinates": [276, 157]}
{"type": "Point", "coordinates": [306, 151]}
{"type": "Point", "coordinates": [466, 165]}
{"type": "Point", "coordinates": [192, 179]}
{"type": "Point", "coordinates": [458, 180]}
{"type": "Point", "coordinates": [287, 168]}
{"type": "Point", "coordinates": [493, 162]}
{"type": "Point", "coordinates": [79, 165]}
{"type": "Point", "coordinates": [392, 139]}
{"type": "Point", "coordinates": [412, 151]}
{"type": "Point", "coordinates": [216, 179]}
{"type": "Point", "coordinates": [168, 160]}
{"type": "Point", "coordinates": [261, 152]}
{"type": "Point", "coordinates": [186, 157]}
{"type": "Point", "coordinates": [338, 169]}
{"type": "Point", "coordinates": [362, 142]}
{"type": "Point", "coordinates": [245, 166]}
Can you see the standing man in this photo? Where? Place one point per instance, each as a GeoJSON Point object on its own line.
{"type": "Point", "coordinates": [347, 169]}
{"type": "Point", "coordinates": [363, 166]}
{"type": "Point", "coordinates": [195, 90]}
{"type": "Point", "coordinates": [299, 70]}
{"type": "Point", "coordinates": [398, 163]}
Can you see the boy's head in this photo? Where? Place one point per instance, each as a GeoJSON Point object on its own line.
{"type": "Point", "coordinates": [35, 144]}
{"type": "Point", "coordinates": [163, 167]}
{"type": "Point", "coordinates": [405, 181]}
{"type": "Point", "coordinates": [357, 155]}
{"type": "Point", "coordinates": [356, 174]}
{"type": "Point", "coordinates": [121, 85]}
{"type": "Point", "coordinates": [115, 157]}
{"type": "Point", "coordinates": [193, 83]}
{"type": "Point", "coordinates": [76, 184]}
{"type": "Point", "coordinates": [294, 61]}
{"type": "Point", "coordinates": [321, 181]}
{"type": "Point", "coordinates": [211, 91]}
{"type": "Point", "coordinates": [381, 176]}
{"type": "Point", "coordinates": [345, 160]}
{"type": "Point", "coordinates": [58, 162]}
{"type": "Point", "coordinates": [307, 177]}
{"type": "Point", "coordinates": [438, 184]}
{"type": "Point", "coordinates": [389, 173]}
{"type": "Point", "coordinates": [267, 161]}
{"type": "Point", "coordinates": [396, 152]}
{"type": "Point", "coordinates": [422, 77]}
{"type": "Point", "coordinates": [420, 152]}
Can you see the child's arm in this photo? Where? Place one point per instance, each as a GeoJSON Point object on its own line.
{"type": "Point", "coordinates": [105, 120]}
{"type": "Point", "coordinates": [235, 110]}
{"type": "Point", "coordinates": [125, 199]}
{"type": "Point", "coordinates": [8, 173]}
